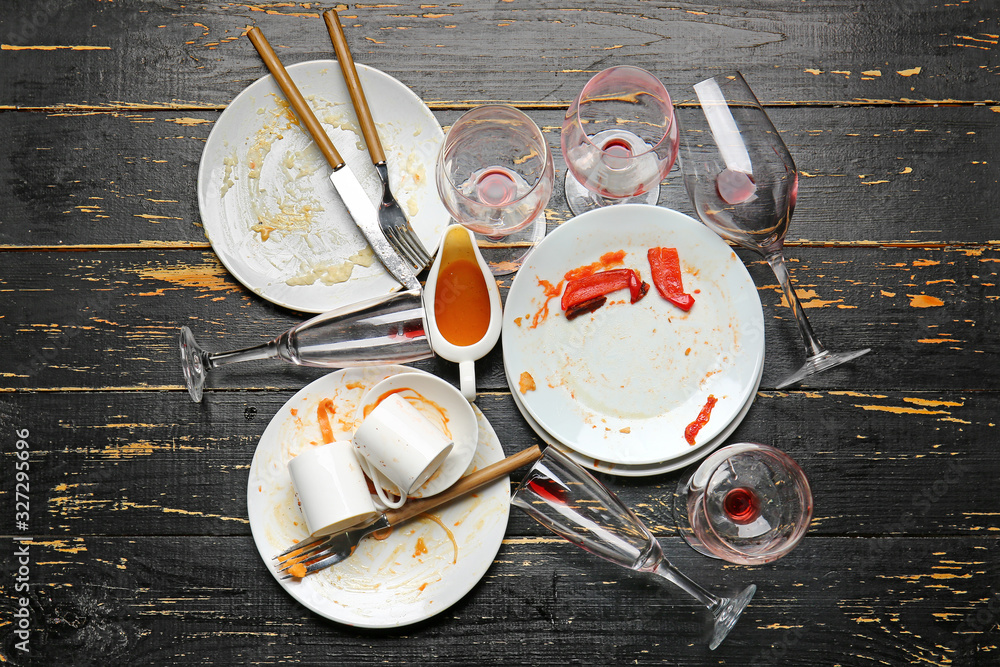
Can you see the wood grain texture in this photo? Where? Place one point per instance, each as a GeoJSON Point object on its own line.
{"type": "Point", "coordinates": [139, 548]}
{"type": "Point", "coordinates": [867, 176]}
{"type": "Point", "coordinates": [125, 463]}
{"type": "Point", "coordinates": [111, 318]}
{"type": "Point", "coordinates": [159, 600]}
{"type": "Point", "coordinates": [830, 52]}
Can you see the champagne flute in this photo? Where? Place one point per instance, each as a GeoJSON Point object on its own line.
{"type": "Point", "coordinates": [381, 330]}
{"type": "Point", "coordinates": [745, 503]}
{"type": "Point", "coordinates": [619, 139]}
{"type": "Point", "coordinates": [743, 184]}
{"type": "Point", "coordinates": [572, 503]}
{"type": "Point", "coordinates": [495, 174]}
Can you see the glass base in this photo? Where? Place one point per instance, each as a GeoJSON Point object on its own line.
{"type": "Point", "coordinates": [727, 615]}
{"type": "Point", "coordinates": [819, 363]}
{"type": "Point", "coordinates": [193, 364]}
{"type": "Point", "coordinates": [580, 199]}
{"type": "Point", "coordinates": [505, 254]}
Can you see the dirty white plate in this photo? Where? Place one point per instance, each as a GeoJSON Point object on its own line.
{"type": "Point", "coordinates": [422, 568]}
{"type": "Point", "coordinates": [621, 384]}
{"type": "Point", "coordinates": [262, 175]}
{"type": "Point", "coordinates": [622, 470]}
{"type": "Point", "coordinates": [446, 408]}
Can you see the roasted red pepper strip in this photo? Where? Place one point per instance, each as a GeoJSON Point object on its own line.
{"type": "Point", "coordinates": [636, 287]}
{"type": "Point", "coordinates": [590, 306]}
{"type": "Point", "coordinates": [597, 284]}
{"type": "Point", "coordinates": [666, 269]}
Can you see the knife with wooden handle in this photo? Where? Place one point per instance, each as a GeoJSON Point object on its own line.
{"type": "Point", "coordinates": [351, 192]}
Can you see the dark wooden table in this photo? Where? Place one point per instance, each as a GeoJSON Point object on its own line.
{"type": "Point", "coordinates": [137, 547]}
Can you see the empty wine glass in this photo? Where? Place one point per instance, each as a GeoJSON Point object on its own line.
{"type": "Point", "coordinates": [495, 174]}
{"type": "Point", "coordinates": [569, 501]}
{"type": "Point", "coordinates": [745, 503]}
{"type": "Point", "coordinates": [619, 139]}
{"type": "Point", "coordinates": [382, 330]}
{"type": "Point", "coordinates": [743, 184]}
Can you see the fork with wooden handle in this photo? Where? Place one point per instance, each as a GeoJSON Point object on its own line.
{"type": "Point", "coordinates": [391, 218]}
{"type": "Point", "coordinates": [315, 553]}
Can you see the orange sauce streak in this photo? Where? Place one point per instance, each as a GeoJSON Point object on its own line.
{"type": "Point", "coordinates": [421, 548]}
{"type": "Point", "coordinates": [550, 291]}
{"type": "Point", "coordinates": [462, 303]}
{"type": "Point", "coordinates": [416, 400]}
{"type": "Point", "coordinates": [607, 261]}
{"type": "Point", "coordinates": [706, 412]}
{"type": "Point", "coordinates": [451, 535]}
{"type": "Point", "coordinates": [324, 411]}
{"type": "Point", "coordinates": [355, 385]}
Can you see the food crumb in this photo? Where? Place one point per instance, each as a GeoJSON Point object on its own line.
{"type": "Point", "coordinates": [687, 352]}
{"type": "Point", "coordinates": [526, 383]}
{"type": "Point", "coordinates": [298, 570]}
{"type": "Point", "coordinates": [517, 321]}
{"type": "Point", "coordinates": [627, 429]}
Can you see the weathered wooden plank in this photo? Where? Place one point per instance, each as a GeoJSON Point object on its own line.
{"type": "Point", "coordinates": [177, 600]}
{"type": "Point", "coordinates": [897, 463]}
{"type": "Point", "coordinates": [110, 319]}
{"type": "Point", "coordinates": [543, 52]}
{"type": "Point", "coordinates": [129, 178]}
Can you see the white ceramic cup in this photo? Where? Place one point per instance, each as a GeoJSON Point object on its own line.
{"type": "Point", "coordinates": [397, 446]}
{"type": "Point", "coordinates": [464, 355]}
{"type": "Point", "coordinates": [331, 488]}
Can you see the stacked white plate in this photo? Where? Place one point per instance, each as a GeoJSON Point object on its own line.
{"type": "Point", "coordinates": [617, 388]}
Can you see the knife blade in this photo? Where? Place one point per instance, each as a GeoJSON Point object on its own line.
{"type": "Point", "coordinates": [344, 181]}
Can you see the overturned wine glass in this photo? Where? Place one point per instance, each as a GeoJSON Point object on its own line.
{"type": "Point", "coordinates": [383, 330]}
{"type": "Point", "coordinates": [573, 504]}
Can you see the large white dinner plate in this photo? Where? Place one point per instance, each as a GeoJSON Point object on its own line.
{"type": "Point", "coordinates": [623, 470]}
{"type": "Point", "coordinates": [423, 567]}
{"type": "Point", "coordinates": [621, 384]}
{"type": "Point", "coordinates": [261, 169]}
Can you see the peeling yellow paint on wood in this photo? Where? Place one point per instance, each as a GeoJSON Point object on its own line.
{"type": "Point", "coordinates": [901, 410]}
{"type": "Point", "coordinates": [931, 403]}
{"type": "Point", "coordinates": [924, 301]}
{"type": "Point", "coordinates": [13, 47]}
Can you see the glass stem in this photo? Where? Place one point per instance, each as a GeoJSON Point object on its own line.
{"type": "Point", "coordinates": [777, 262]}
{"type": "Point", "coordinates": [674, 576]}
{"type": "Point", "coordinates": [264, 351]}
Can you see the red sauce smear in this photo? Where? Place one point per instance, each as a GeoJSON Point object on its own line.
{"type": "Point", "coordinates": [706, 412]}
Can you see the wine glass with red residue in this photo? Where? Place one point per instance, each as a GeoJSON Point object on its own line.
{"type": "Point", "coordinates": [494, 175]}
{"type": "Point", "coordinates": [746, 503]}
{"type": "Point", "coordinates": [619, 138]}
{"type": "Point", "coordinates": [743, 184]}
{"type": "Point", "coordinates": [572, 503]}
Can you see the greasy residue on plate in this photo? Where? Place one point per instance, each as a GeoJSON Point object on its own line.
{"type": "Point", "coordinates": [277, 184]}
{"type": "Point", "coordinates": [660, 337]}
{"type": "Point", "coordinates": [411, 563]}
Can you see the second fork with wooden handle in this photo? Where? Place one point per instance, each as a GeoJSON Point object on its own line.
{"type": "Point", "coordinates": [393, 221]}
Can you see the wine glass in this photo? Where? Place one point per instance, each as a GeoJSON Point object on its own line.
{"type": "Point", "coordinates": [743, 184]}
{"type": "Point", "coordinates": [569, 501]}
{"type": "Point", "coordinates": [381, 330]}
{"type": "Point", "coordinates": [619, 139]}
{"type": "Point", "coordinates": [495, 176]}
{"type": "Point", "coordinates": [745, 503]}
